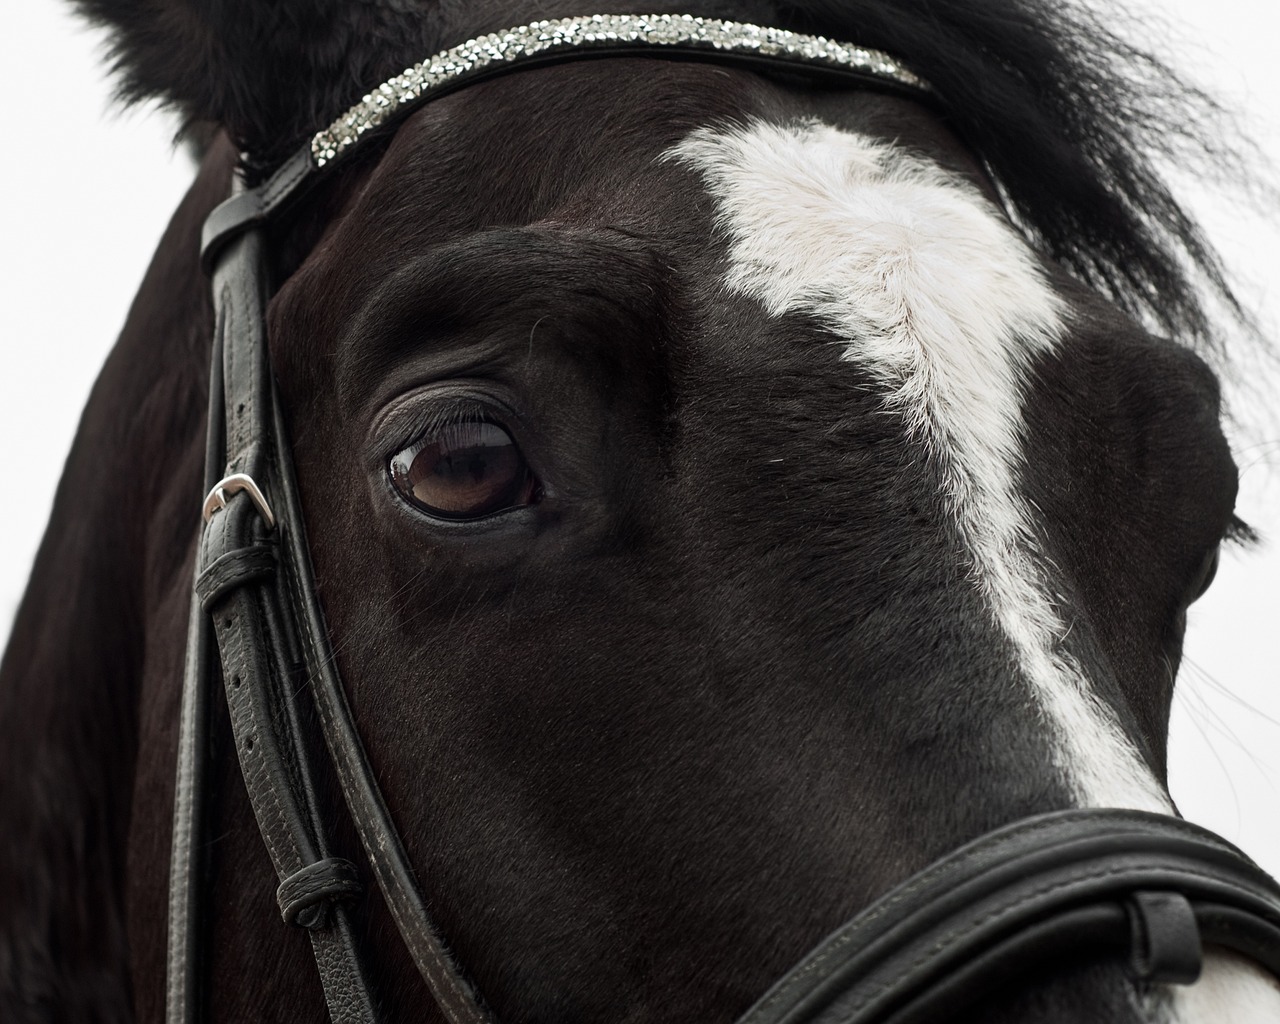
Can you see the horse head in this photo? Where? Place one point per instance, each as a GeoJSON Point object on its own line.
{"type": "Point", "coordinates": [727, 493]}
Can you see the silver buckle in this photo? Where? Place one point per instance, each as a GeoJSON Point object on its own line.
{"type": "Point", "coordinates": [216, 499]}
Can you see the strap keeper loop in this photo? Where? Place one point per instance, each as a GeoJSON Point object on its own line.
{"type": "Point", "coordinates": [1166, 938]}
{"type": "Point", "coordinates": [306, 895]}
{"type": "Point", "coordinates": [233, 570]}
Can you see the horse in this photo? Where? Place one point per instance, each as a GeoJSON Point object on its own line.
{"type": "Point", "coordinates": [728, 491]}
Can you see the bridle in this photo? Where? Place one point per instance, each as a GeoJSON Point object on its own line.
{"type": "Point", "coordinates": [1067, 886]}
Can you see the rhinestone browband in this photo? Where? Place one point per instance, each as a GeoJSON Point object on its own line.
{"type": "Point", "coordinates": [598, 32]}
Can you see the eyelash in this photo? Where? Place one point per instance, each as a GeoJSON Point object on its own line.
{"type": "Point", "coordinates": [433, 417]}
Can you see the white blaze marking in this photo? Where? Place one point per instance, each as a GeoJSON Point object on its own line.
{"type": "Point", "coordinates": [1231, 990]}
{"type": "Point", "coordinates": [932, 293]}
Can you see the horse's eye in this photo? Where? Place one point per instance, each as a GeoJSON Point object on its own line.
{"type": "Point", "coordinates": [465, 470]}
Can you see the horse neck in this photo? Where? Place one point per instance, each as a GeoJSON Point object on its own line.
{"type": "Point", "coordinates": [87, 751]}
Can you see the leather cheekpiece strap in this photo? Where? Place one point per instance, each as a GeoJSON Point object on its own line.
{"type": "Point", "coordinates": [254, 580]}
{"type": "Point", "coordinates": [184, 979]}
{"type": "Point", "coordinates": [240, 587]}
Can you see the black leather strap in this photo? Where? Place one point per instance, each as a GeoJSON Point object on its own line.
{"type": "Point", "coordinates": [185, 954]}
{"type": "Point", "coordinates": [238, 585]}
{"type": "Point", "coordinates": [255, 581]}
{"type": "Point", "coordinates": [1078, 885]}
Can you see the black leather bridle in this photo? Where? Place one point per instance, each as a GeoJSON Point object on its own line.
{"type": "Point", "coordinates": [1067, 887]}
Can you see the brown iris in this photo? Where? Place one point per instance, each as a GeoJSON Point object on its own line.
{"type": "Point", "coordinates": [464, 470]}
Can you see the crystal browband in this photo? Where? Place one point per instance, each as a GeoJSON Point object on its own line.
{"type": "Point", "coordinates": [611, 33]}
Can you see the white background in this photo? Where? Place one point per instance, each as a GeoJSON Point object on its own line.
{"type": "Point", "coordinates": [87, 191]}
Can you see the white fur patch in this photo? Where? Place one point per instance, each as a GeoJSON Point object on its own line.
{"type": "Point", "coordinates": [1231, 990]}
{"type": "Point", "coordinates": [932, 293]}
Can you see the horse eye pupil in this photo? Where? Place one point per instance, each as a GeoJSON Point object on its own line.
{"type": "Point", "coordinates": [464, 471]}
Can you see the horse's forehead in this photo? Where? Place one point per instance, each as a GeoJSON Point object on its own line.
{"type": "Point", "coordinates": [585, 142]}
{"type": "Point", "coordinates": [536, 142]}
{"type": "Point", "coordinates": [516, 152]}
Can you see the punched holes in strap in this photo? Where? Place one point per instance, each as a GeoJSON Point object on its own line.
{"type": "Point", "coordinates": [306, 895]}
{"type": "Point", "coordinates": [1166, 938]}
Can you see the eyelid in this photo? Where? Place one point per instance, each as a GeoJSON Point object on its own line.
{"type": "Point", "coordinates": [414, 412]}
{"type": "Point", "coordinates": [435, 419]}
